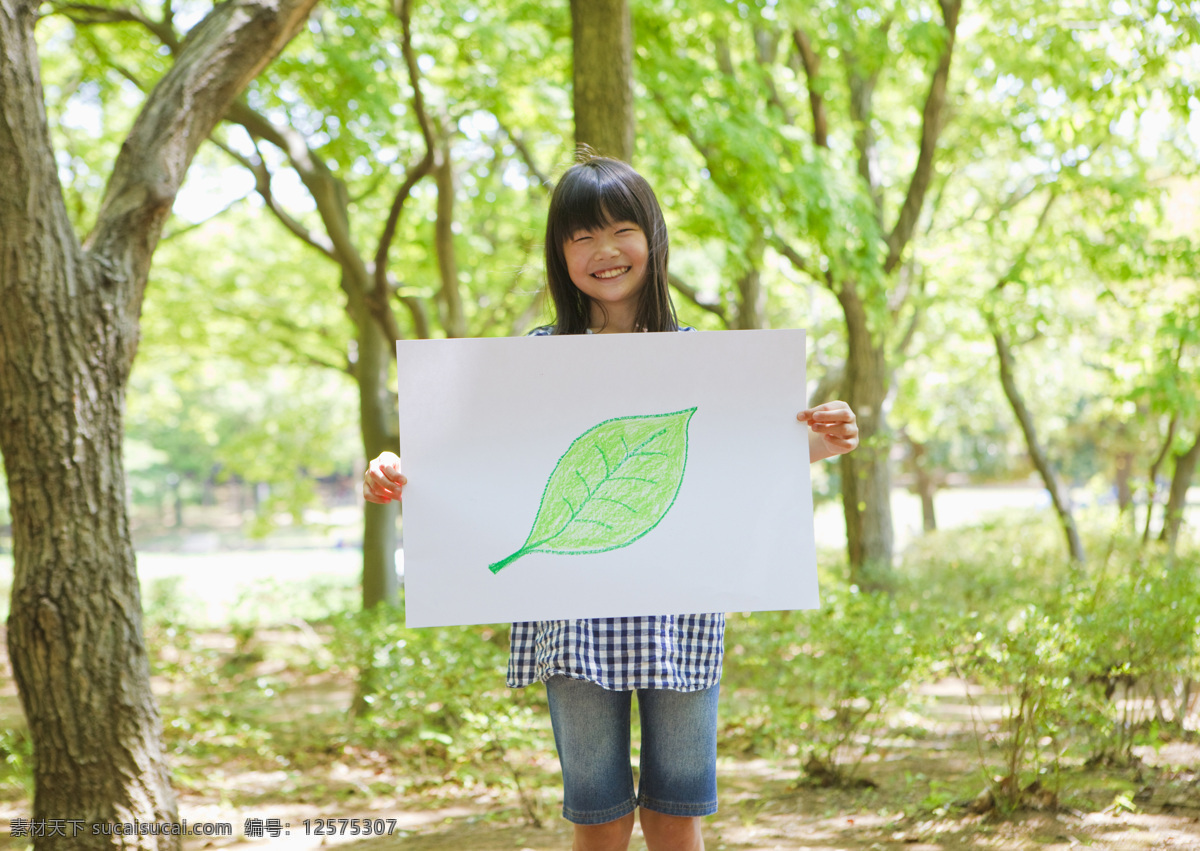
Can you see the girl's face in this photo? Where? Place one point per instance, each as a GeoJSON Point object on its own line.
{"type": "Point", "coordinates": [608, 264]}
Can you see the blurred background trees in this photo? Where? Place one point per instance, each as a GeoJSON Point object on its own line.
{"type": "Point", "coordinates": [984, 217]}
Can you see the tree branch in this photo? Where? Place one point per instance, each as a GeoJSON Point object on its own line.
{"type": "Point", "coordinates": [829, 387]}
{"type": "Point", "coordinates": [279, 323]}
{"type": "Point", "coordinates": [526, 157]}
{"type": "Point", "coordinates": [766, 48]}
{"type": "Point", "coordinates": [327, 190]}
{"type": "Point", "coordinates": [191, 226]}
{"type": "Point", "coordinates": [1041, 461]}
{"type": "Point", "coordinates": [223, 53]}
{"type": "Point", "coordinates": [816, 103]}
{"type": "Point", "coordinates": [455, 321]}
{"type": "Point", "coordinates": [931, 129]}
{"type": "Point", "coordinates": [1022, 257]}
{"type": "Point", "coordinates": [86, 14]}
{"type": "Point", "coordinates": [262, 184]}
{"type": "Point", "coordinates": [799, 263]}
{"type": "Point", "coordinates": [378, 300]}
{"type": "Point", "coordinates": [693, 295]}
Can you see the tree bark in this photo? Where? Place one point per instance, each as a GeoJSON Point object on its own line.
{"type": "Point", "coordinates": [866, 472]}
{"type": "Point", "coordinates": [602, 35]}
{"type": "Point", "coordinates": [1181, 480]}
{"type": "Point", "coordinates": [67, 343]}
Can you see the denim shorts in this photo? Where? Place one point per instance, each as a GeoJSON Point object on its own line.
{"type": "Point", "coordinates": [678, 768]}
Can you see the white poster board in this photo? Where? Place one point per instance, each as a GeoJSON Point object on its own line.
{"type": "Point", "coordinates": [567, 477]}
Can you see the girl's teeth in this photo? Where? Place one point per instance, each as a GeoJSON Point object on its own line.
{"type": "Point", "coordinates": [612, 273]}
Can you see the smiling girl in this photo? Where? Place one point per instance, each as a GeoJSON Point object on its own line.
{"type": "Point", "coordinates": [606, 270]}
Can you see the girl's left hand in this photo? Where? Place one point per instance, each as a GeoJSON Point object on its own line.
{"type": "Point", "coordinates": [833, 430]}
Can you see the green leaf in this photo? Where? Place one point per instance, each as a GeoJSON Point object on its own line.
{"type": "Point", "coordinates": [615, 483]}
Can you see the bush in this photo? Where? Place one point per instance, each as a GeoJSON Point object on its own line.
{"type": "Point", "coordinates": [819, 685]}
{"type": "Point", "coordinates": [1088, 660]}
{"type": "Point", "coordinates": [438, 696]}
{"type": "Point", "coordinates": [1138, 621]}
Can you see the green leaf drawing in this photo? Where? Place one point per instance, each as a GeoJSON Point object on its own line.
{"type": "Point", "coordinates": [615, 483]}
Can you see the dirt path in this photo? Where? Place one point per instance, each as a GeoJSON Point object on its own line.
{"type": "Point", "coordinates": [763, 809]}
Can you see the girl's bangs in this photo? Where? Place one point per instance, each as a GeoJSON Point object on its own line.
{"type": "Point", "coordinates": [596, 200]}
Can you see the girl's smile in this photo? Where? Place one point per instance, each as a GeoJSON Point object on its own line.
{"type": "Point", "coordinates": [608, 265]}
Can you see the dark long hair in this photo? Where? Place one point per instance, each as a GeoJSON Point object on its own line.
{"type": "Point", "coordinates": [595, 193]}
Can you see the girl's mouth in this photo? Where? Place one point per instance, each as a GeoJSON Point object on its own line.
{"type": "Point", "coordinates": [611, 273]}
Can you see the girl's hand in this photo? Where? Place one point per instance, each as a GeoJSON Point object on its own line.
{"type": "Point", "coordinates": [383, 481]}
{"type": "Point", "coordinates": [833, 430]}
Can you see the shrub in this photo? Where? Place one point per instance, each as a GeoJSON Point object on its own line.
{"type": "Point", "coordinates": [820, 684]}
{"type": "Point", "coordinates": [438, 696]}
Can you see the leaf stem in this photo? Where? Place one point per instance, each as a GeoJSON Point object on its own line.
{"type": "Point", "coordinates": [505, 562]}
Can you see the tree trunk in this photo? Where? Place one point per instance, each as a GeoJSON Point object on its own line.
{"type": "Point", "coordinates": [377, 409]}
{"type": "Point", "coordinates": [866, 473]}
{"type": "Point", "coordinates": [1185, 468]}
{"type": "Point", "coordinates": [455, 321]}
{"type": "Point", "coordinates": [923, 483]}
{"type": "Point", "coordinates": [602, 34]}
{"type": "Point", "coordinates": [67, 343]}
{"type": "Point", "coordinates": [1123, 478]}
{"type": "Point", "coordinates": [75, 628]}
{"type": "Point", "coordinates": [1058, 494]}
{"type": "Point", "coordinates": [752, 297]}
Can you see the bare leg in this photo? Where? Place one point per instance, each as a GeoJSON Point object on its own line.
{"type": "Point", "coordinates": [610, 836]}
{"type": "Point", "coordinates": [671, 833]}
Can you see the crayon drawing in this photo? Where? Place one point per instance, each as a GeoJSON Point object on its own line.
{"type": "Point", "coordinates": [615, 483]}
{"type": "Point", "coordinates": [604, 475]}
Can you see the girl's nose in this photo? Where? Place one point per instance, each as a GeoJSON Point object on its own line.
{"type": "Point", "coordinates": [606, 248]}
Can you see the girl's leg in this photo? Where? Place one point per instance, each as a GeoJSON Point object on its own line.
{"type": "Point", "coordinates": [610, 836]}
{"type": "Point", "coordinates": [678, 781]}
{"type": "Point", "coordinates": [671, 833]}
{"type": "Point", "coordinates": [591, 731]}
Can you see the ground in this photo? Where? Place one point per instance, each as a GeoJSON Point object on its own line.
{"type": "Point", "coordinates": [297, 770]}
{"type": "Point", "coordinates": [913, 803]}
{"type": "Point", "coordinates": [763, 808]}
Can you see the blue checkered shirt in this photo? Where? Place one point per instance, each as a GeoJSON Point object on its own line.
{"type": "Point", "coordinates": [681, 652]}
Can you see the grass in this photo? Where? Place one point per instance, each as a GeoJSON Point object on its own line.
{"type": "Point", "coordinates": [257, 661]}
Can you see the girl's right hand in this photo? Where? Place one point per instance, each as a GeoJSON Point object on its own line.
{"type": "Point", "coordinates": [383, 481]}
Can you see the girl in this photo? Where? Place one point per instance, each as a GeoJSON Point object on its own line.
{"type": "Point", "coordinates": [606, 269]}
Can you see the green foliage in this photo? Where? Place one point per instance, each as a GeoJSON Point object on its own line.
{"type": "Point", "coordinates": [1085, 662]}
{"type": "Point", "coordinates": [241, 373]}
{"type": "Point", "coordinates": [1071, 666]}
{"type": "Point", "coordinates": [437, 697]}
{"type": "Point", "coordinates": [1138, 623]}
{"type": "Point", "coordinates": [823, 685]}
{"type": "Point", "coordinates": [1029, 661]}
{"type": "Point", "coordinates": [16, 751]}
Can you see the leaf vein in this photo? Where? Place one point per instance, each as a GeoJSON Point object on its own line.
{"type": "Point", "coordinates": [604, 458]}
{"type": "Point", "coordinates": [629, 508]}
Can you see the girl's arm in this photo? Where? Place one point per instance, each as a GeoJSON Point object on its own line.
{"type": "Point", "coordinates": [833, 430]}
{"type": "Point", "coordinates": [383, 481]}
